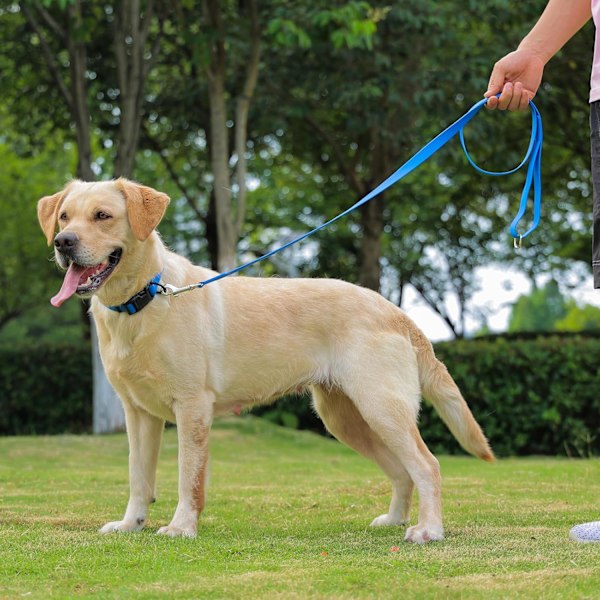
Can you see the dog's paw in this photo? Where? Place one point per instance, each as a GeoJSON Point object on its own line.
{"type": "Point", "coordinates": [387, 520]}
{"type": "Point", "coordinates": [420, 534]}
{"type": "Point", "coordinates": [113, 526]}
{"type": "Point", "coordinates": [174, 531]}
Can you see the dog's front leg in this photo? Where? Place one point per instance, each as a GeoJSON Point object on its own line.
{"type": "Point", "coordinates": [193, 427]}
{"type": "Point", "coordinates": [144, 432]}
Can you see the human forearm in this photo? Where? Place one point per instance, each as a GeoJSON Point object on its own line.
{"type": "Point", "coordinates": [559, 22]}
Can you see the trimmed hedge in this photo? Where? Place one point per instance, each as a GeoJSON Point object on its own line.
{"type": "Point", "coordinates": [45, 389]}
{"type": "Point", "coordinates": [531, 395]}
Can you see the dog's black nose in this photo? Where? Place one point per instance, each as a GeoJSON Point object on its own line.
{"type": "Point", "coordinates": [66, 241]}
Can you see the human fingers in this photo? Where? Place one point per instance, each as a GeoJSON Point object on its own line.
{"type": "Point", "coordinates": [506, 96]}
{"type": "Point", "coordinates": [517, 97]}
{"type": "Point", "coordinates": [524, 103]}
{"type": "Point", "coordinates": [513, 97]}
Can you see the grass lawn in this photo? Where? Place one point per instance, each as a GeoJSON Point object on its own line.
{"type": "Point", "coordinates": [287, 517]}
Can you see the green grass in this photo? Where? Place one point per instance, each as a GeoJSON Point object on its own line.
{"type": "Point", "coordinates": [287, 517]}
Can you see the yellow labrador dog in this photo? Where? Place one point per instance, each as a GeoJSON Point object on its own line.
{"type": "Point", "coordinates": [243, 341]}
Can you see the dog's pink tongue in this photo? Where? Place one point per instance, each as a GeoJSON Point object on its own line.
{"type": "Point", "coordinates": [70, 283]}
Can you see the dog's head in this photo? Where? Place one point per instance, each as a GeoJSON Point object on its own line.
{"type": "Point", "coordinates": [100, 224]}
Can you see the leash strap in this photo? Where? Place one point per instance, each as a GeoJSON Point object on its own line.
{"type": "Point", "coordinates": [533, 156]}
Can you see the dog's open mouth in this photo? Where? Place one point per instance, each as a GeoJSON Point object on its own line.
{"type": "Point", "coordinates": [84, 280]}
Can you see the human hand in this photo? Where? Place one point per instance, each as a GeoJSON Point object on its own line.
{"type": "Point", "coordinates": [516, 77]}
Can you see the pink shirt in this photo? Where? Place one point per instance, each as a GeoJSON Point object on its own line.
{"type": "Point", "coordinates": [595, 79]}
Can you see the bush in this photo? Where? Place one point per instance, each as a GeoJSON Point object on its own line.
{"type": "Point", "coordinates": [531, 394]}
{"type": "Point", "coordinates": [45, 388]}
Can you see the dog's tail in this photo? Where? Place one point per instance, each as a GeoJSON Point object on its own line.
{"type": "Point", "coordinates": [438, 387]}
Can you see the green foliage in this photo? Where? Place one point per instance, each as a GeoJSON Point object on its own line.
{"type": "Point", "coordinates": [62, 4]}
{"type": "Point", "coordinates": [47, 324]}
{"type": "Point", "coordinates": [347, 25]}
{"type": "Point", "coordinates": [45, 388]}
{"type": "Point", "coordinates": [294, 411]}
{"type": "Point", "coordinates": [539, 311]}
{"type": "Point", "coordinates": [546, 309]}
{"type": "Point", "coordinates": [26, 279]}
{"type": "Point", "coordinates": [579, 318]}
{"type": "Point", "coordinates": [286, 32]}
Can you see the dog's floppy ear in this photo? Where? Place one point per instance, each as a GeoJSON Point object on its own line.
{"type": "Point", "coordinates": [47, 210]}
{"type": "Point", "coordinates": [145, 207]}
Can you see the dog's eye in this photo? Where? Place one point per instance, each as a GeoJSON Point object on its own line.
{"type": "Point", "coordinates": [102, 216]}
{"type": "Point", "coordinates": [63, 216]}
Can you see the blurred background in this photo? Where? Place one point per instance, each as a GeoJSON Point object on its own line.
{"type": "Point", "coordinates": [264, 118]}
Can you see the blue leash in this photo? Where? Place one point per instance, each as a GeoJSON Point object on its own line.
{"type": "Point", "coordinates": [533, 156]}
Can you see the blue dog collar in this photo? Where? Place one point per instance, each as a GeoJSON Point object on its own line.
{"type": "Point", "coordinates": [139, 300]}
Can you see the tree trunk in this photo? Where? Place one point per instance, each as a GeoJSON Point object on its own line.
{"type": "Point", "coordinates": [211, 233]}
{"type": "Point", "coordinates": [219, 142]}
{"type": "Point", "coordinates": [241, 115]}
{"type": "Point", "coordinates": [131, 30]}
{"type": "Point", "coordinates": [219, 155]}
{"type": "Point", "coordinates": [228, 223]}
{"type": "Point", "coordinates": [372, 219]}
{"type": "Point", "coordinates": [370, 248]}
{"type": "Point", "coordinates": [109, 416]}
{"type": "Point", "coordinates": [134, 61]}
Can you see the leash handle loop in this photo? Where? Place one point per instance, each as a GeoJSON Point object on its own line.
{"type": "Point", "coordinates": [533, 156]}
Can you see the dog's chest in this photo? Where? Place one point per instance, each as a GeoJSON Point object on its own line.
{"type": "Point", "coordinates": [144, 379]}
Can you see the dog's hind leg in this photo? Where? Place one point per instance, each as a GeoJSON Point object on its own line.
{"type": "Point", "coordinates": [382, 380]}
{"type": "Point", "coordinates": [144, 432]}
{"type": "Point", "coordinates": [403, 439]}
{"type": "Point", "coordinates": [343, 421]}
{"type": "Point", "coordinates": [193, 427]}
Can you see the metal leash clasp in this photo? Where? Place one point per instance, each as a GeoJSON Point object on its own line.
{"type": "Point", "coordinates": [170, 290]}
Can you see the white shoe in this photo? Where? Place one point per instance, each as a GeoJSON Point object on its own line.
{"type": "Point", "coordinates": [586, 532]}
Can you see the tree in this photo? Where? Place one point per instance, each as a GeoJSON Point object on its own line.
{"type": "Point", "coordinates": [579, 318]}
{"type": "Point", "coordinates": [343, 139]}
{"type": "Point", "coordinates": [540, 311]}
{"type": "Point", "coordinates": [76, 27]}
